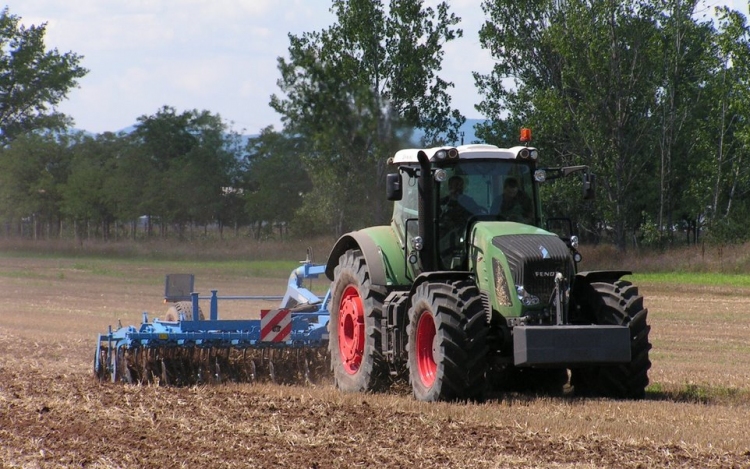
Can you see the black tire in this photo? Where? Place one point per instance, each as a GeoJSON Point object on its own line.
{"type": "Point", "coordinates": [617, 304]}
{"type": "Point", "coordinates": [354, 327]}
{"type": "Point", "coordinates": [447, 342]}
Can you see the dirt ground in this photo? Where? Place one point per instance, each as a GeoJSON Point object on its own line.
{"type": "Point", "coordinates": [53, 413]}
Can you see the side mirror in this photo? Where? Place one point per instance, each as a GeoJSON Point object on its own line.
{"type": "Point", "coordinates": [589, 185]}
{"type": "Point", "coordinates": [562, 227]}
{"type": "Point", "coordinates": [393, 189]}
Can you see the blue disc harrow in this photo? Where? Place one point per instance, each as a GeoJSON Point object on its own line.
{"type": "Point", "coordinates": [287, 345]}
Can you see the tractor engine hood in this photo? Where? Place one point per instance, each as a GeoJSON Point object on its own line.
{"type": "Point", "coordinates": [525, 262]}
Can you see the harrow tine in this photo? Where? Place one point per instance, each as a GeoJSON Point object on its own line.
{"type": "Point", "coordinates": [253, 370]}
{"type": "Point", "coordinates": [127, 376]}
{"type": "Point", "coordinates": [201, 358]}
{"type": "Point", "coordinates": [114, 367]}
{"type": "Point", "coordinates": [217, 369]}
{"type": "Point", "coordinates": [103, 370]}
{"type": "Point", "coordinates": [181, 369]}
{"type": "Point", "coordinates": [133, 364]}
{"type": "Point", "coordinates": [271, 367]}
{"type": "Point", "coordinates": [164, 377]}
{"type": "Point", "coordinates": [197, 368]}
{"type": "Point", "coordinates": [306, 367]}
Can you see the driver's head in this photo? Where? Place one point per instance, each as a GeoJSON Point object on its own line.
{"type": "Point", "coordinates": [510, 187]}
{"type": "Point", "coordinates": [456, 185]}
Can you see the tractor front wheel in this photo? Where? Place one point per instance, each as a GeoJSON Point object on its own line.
{"type": "Point", "coordinates": [354, 327]}
{"type": "Point", "coordinates": [447, 342]}
{"type": "Point", "coordinates": [616, 304]}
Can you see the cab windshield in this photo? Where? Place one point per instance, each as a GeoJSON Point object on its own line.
{"type": "Point", "coordinates": [494, 190]}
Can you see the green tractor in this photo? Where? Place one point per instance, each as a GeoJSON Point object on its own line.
{"type": "Point", "coordinates": [466, 293]}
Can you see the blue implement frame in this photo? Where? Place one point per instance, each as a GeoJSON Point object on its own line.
{"type": "Point", "coordinates": [309, 321]}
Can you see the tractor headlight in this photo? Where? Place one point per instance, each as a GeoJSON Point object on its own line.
{"type": "Point", "coordinates": [528, 153]}
{"type": "Point", "coordinates": [525, 298]}
{"type": "Point", "coordinates": [444, 153]}
{"type": "Point", "coordinates": [441, 175]}
{"type": "Point", "coordinates": [574, 242]}
{"type": "Point", "coordinates": [417, 243]}
{"type": "Point", "coordinates": [540, 175]}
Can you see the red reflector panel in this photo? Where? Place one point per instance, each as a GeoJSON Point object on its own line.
{"type": "Point", "coordinates": [275, 325]}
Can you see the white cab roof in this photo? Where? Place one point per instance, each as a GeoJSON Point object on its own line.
{"type": "Point", "coordinates": [475, 151]}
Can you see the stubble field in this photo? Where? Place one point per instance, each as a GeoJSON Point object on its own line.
{"type": "Point", "coordinates": [53, 413]}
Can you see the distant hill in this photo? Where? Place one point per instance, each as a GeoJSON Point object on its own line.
{"type": "Point", "coordinates": [467, 131]}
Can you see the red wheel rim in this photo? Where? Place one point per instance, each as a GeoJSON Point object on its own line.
{"type": "Point", "coordinates": [351, 330]}
{"type": "Point", "coordinates": [425, 349]}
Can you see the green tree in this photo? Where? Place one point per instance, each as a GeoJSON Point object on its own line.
{"type": "Point", "coordinates": [32, 173]}
{"type": "Point", "coordinates": [190, 160]}
{"type": "Point", "coordinates": [351, 92]}
{"type": "Point", "coordinates": [32, 80]}
{"type": "Point", "coordinates": [589, 78]}
{"type": "Point", "coordinates": [130, 167]}
{"type": "Point", "coordinates": [276, 181]}
{"type": "Point", "coordinates": [83, 194]}
{"type": "Point", "coordinates": [682, 108]}
{"type": "Point", "coordinates": [725, 190]}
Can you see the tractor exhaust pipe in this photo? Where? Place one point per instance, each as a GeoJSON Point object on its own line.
{"type": "Point", "coordinates": [426, 213]}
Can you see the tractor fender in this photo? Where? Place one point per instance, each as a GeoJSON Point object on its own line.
{"type": "Point", "coordinates": [362, 241]}
{"type": "Point", "coordinates": [594, 276]}
{"type": "Point", "coordinates": [582, 291]}
{"type": "Point", "coordinates": [440, 276]}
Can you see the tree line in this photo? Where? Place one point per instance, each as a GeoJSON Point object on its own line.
{"type": "Point", "coordinates": [174, 174]}
{"type": "Point", "coordinates": [652, 94]}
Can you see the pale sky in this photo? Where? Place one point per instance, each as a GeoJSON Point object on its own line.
{"type": "Point", "coordinates": [214, 55]}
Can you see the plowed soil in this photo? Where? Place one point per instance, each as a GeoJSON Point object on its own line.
{"type": "Point", "coordinates": [53, 413]}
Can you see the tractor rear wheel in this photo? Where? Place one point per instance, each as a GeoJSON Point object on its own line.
{"type": "Point", "coordinates": [354, 327]}
{"type": "Point", "coordinates": [617, 304]}
{"type": "Point", "coordinates": [447, 342]}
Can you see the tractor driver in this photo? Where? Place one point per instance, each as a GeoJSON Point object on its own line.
{"type": "Point", "coordinates": [457, 206]}
{"type": "Point", "coordinates": [513, 204]}
{"type": "Point", "coordinates": [456, 209]}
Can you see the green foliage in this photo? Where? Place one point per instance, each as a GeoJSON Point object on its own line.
{"type": "Point", "coordinates": [643, 92]}
{"type": "Point", "coordinates": [32, 81]}
{"type": "Point", "coordinates": [179, 169]}
{"type": "Point", "coordinates": [276, 179]}
{"type": "Point", "coordinates": [32, 173]}
{"type": "Point", "coordinates": [83, 197]}
{"type": "Point", "coordinates": [353, 91]}
{"type": "Point", "coordinates": [189, 163]}
{"type": "Point", "coordinates": [730, 229]}
{"type": "Point", "coordinates": [654, 98]}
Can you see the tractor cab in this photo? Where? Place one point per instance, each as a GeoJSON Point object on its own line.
{"type": "Point", "coordinates": [468, 184]}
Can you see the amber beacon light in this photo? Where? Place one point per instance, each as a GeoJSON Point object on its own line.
{"type": "Point", "coordinates": [525, 135]}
